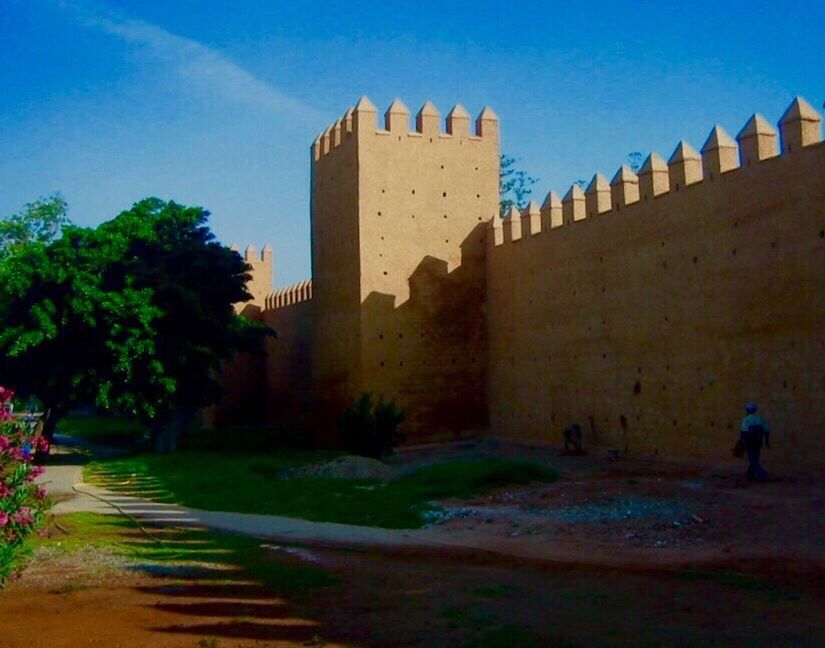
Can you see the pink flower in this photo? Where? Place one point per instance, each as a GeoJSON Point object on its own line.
{"type": "Point", "coordinates": [23, 516]}
{"type": "Point", "coordinates": [5, 491]}
{"type": "Point", "coordinates": [4, 518]}
{"type": "Point", "coordinates": [34, 473]}
{"type": "Point", "coordinates": [40, 492]}
{"type": "Point", "coordinates": [4, 442]}
{"type": "Point", "coordinates": [41, 443]}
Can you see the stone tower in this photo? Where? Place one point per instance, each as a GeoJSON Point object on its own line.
{"type": "Point", "coordinates": [398, 245]}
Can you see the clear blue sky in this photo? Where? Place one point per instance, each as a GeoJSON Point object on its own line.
{"type": "Point", "coordinates": [216, 103]}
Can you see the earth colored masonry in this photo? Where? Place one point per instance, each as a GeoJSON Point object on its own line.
{"type": "Point", "coordinates": [647, 308]}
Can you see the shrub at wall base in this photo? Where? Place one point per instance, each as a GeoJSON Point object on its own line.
{"type": "Point", "coordinates": [371, 429]}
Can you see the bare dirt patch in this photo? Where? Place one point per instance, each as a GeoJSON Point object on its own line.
{"type": "Point", "coordinates": [648, 510]}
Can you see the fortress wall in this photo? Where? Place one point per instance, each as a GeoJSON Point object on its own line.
{"type": "Point", "coordinates": [652, 322]}
{"type": "Point", "coordinates": [336, 269]}
{"type": "Point", "coordinates": [287, 376]}
{"type": "Point", "coordinates": [423, 197]}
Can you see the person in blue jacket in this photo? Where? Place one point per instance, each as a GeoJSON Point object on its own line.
{"type": "Point", "coordinates": [754, 430]}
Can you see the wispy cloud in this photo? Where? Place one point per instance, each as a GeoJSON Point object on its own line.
{"type": "Point", "coordinates": [192, 61]}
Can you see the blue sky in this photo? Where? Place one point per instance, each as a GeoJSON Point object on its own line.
{"type": "Point", "coordinates": [216, 103]}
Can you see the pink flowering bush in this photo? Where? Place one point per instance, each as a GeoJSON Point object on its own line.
{"type": "Point", "coordinates": [22, 502]}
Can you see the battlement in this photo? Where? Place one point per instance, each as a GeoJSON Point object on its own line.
{"type": "Point", "coordinates": [363, 119]}
{"type": "Point", "coordinates": [294, 294]}
{"type": "Point", "coordinates": [260, 264]}
{"type": "Point", "coordinates": [799, 127]}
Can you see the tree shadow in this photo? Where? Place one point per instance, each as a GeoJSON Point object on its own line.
{"type": "Point", "coordinates": [239, 585]}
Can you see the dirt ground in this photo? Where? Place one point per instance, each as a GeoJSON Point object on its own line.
{"type": "Point", "coordinates": [647, 511]}
{"type": "Point", "coordinates": [93, 599]}
{"type": "Point", "coordinates": [707, 559]}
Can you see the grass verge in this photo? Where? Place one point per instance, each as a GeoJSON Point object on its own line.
{"type": "Point", "coordinates": [253, 483]}
{"type": "Point", "coordinates": [198, 553]}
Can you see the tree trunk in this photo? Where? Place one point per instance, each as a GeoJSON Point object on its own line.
{"type": "Point", "coordinates": [166, 431]}
{"type": "Point", "coordinates": [51, 417]}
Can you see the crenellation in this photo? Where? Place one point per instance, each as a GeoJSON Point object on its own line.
{"type": "Point", "coordinates": [458, 122]}
{"type": "Point", "coordinates": [487, 124]}
{"type": "Point", "coordinates": [496, 226]}
{"type": "Point", "coordinates": [326, 141]}
{"type": "Point", "coordinates": [624, 188]}
{"type": "Point", "coordinates": [316, 148]}
{"type": "Point", "coordinates": [346, 122]}
{"type": "Point", "coordinates": [720, 153]}
{"type": "Point", "coordinates": [573, 205]}
{"type": "Point", "coordinates": [799, 126]}
{"type": "Point", "coordinates": [531, 219]}
{"type": "Point", "coordinates": [684, 166]}
{"type": "Point", "coordinates": [397, 118]}
{"type": "Point", "coordinates": [757, 140]}
{"type": "Point", "coordinates": [512, 225]}
{"type": "Point", "coordinates": [428, 120]}
{"type": "Point", "coordinates": [654, 177]}
{"type": "Point", "coordinates": [551, 212]}
{"type": "Point", "coordinates": [296, 293]}
{"type": "Point", "coordinates": [364, 117]}
{"type": "Point", "coordinates": [597, 196]}
{"type": "Point", "coordinates": [336, 134]}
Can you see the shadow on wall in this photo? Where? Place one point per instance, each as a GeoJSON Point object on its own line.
{"type": "Point", "coordinates": [428, 353]}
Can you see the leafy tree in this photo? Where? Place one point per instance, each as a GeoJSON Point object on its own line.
{"type": "Point", "coordinates": [134, 316]}
{"type": "Point", "coordinates": [40, 221]}
{"type": "Point", "coordinates": [194, 282]}
{"type": "Point", "coordinates": [64, 323]}
{"type": "Point", "coordinates": [515, 185]}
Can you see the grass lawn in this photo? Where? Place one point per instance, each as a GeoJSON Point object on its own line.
{"type": "Point", "coordinates": [102, 429]}
{"type": "Point", "coordinates": [252, 483]}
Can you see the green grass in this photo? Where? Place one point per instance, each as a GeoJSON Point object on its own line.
{"type": "Point", "coordinates": [252, 483]}
{"type": "Point", "coordinates": [102, 429]}
{"type": "Point", "coordinates": [212, 555]}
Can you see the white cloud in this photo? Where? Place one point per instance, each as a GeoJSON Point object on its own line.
{"type": "Point", "coordinates": [193, 61]}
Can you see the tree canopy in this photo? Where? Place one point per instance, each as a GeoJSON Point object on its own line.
{"type": "Point", "coordinates": [40, 221]}
{"type": "Point", "coordinates": [135, 316]}
{"type": "Point", "coordinates": [515, 185]}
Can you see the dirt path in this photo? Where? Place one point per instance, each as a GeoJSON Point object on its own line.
{"type": "Point", "coordinates": [92, 599]}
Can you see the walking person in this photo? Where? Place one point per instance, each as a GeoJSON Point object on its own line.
{"type": "Point", "coordinates": [754, 430]}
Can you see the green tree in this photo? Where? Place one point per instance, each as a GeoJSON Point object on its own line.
{"type": "Point", "coordinates": [40, 221]}
{"type": "Point", "coordinates": [515, 185]}
{"type": "Point", "coordinates": [134, 316]}
{"type": "Point", "coordinates": [64, 323]}
{"type": "Point", "coordinates": [194, 282]}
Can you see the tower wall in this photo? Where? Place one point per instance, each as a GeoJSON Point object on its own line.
{"type": "Point", "coordinates": [412, 328]}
